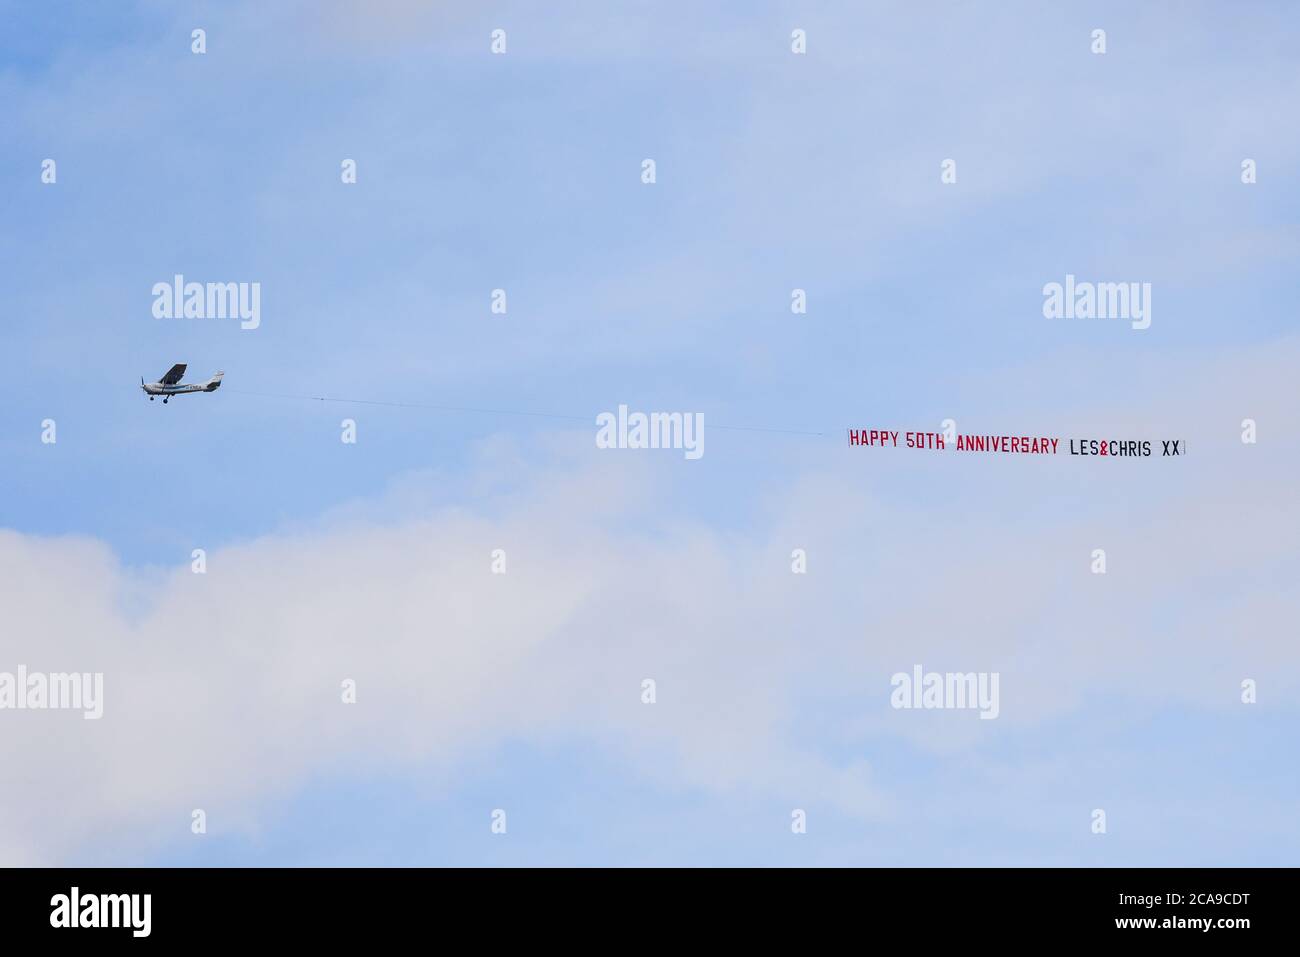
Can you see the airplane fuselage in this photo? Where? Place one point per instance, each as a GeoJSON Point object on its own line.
{"type": "Point", "coordinates": [157, 388]}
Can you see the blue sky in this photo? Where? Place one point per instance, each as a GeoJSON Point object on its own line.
{"type": "Point", "coordinates": [775, 171]}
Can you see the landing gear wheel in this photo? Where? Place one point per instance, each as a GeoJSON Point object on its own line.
{"type": "Point", "coordinates": [164, 401]}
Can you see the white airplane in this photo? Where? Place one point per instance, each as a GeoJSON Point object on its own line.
{"type": "Point", "coordinates": [169, 385]}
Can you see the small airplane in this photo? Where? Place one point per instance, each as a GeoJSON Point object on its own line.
{"type": "Point", "coordinates": [169, 385]}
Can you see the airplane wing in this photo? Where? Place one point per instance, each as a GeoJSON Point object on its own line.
{"type": "Point", "coordinates": [174, 374]}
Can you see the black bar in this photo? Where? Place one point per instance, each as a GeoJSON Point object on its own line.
{"type": "Point", "coordinates": [331, 906]}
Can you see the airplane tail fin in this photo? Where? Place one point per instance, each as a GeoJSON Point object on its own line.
{"type": "Point", "coordinates": [214, 383]}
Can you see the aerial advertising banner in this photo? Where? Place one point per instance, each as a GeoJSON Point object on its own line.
{"type": "Point", "coordinates": [1015, 444]}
